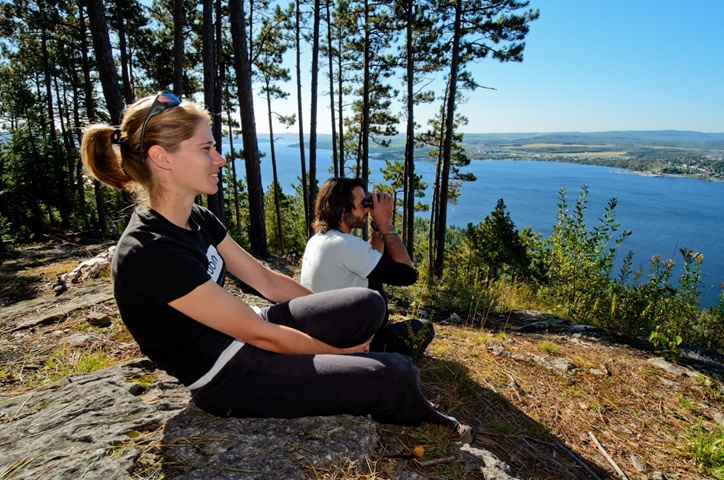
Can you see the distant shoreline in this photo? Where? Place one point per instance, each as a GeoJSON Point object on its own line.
{"type": "Point", "coordinates": [670, 153]}
{"type": "Point", "coordinates": [591, 161]}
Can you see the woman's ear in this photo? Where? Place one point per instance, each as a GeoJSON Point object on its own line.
{"type": "Point", "coordinates": [159, 157]}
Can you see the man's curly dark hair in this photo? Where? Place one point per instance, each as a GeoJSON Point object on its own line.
{"type": "Point", "coordinates": [335, 200]}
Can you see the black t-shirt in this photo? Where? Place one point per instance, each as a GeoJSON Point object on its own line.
{"type": "Point", "coordinates": [157, 262]}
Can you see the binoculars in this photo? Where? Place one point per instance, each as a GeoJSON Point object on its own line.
{"type": "Point", "coordinates": [367, 201]}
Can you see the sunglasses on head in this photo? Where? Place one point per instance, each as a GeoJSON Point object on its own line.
{"type": "Point", "coordinates": [163, 100]}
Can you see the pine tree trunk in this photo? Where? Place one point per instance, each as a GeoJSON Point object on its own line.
{"type": "Point", "coordinates": [302, 154]}
{"type": "Point", "coordinates": [408, 195]}
{"type": "Point", "coordinates": [313, 119]}
{"type": "Point", "coordinates": [448, 131]}
{"type": "Point", "coordinates": [257, 230]}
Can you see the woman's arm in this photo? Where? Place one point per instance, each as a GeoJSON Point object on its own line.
{"type": "Point", "coordinates": [275, 286]}
{"type": "Point", "coordinates": [217, 308]}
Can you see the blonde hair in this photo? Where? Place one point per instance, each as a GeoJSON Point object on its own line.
{"type": "Point", "coordinates": [126, 167]}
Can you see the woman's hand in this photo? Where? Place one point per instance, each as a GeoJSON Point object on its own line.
{"type": "Point", "coordinates": [361, 348]}
{"type": "Point", "coordinates": [230, 315]}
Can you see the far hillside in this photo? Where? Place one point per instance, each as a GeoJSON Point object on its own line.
{"type": "Point", "coordinates": [633, 138]}
{"type": "Point", "coordinates": [661, 152]}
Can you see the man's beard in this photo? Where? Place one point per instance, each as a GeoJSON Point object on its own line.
{"type": "Point", "coordinates": [353, 221]}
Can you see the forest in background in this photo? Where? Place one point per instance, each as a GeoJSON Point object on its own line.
{"type": "Point", "coordinates": [64, 65]}
{"type": "Point", "coordinates": [67, 64]}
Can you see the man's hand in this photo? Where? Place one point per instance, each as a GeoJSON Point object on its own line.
{"type": "Point", "coordinates": [381, 240]}
{"type": "Point", "coordinates": [382, 211]}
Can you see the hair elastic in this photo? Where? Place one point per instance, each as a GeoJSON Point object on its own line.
{"type": "Point", "coordinates": [116, 137]}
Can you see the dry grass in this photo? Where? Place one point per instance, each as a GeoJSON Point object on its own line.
{"type": "Point", "coordinates": [536, 418]}
{"type": "Point", "coordinates": [561, 145]}
{"type": "Point", "coordinates": [605, 154]}
{"type": "Point", "coordinates": [35, 357]}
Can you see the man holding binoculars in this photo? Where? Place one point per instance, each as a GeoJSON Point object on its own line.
{"type": "Point", "coordinates": [334, 258]}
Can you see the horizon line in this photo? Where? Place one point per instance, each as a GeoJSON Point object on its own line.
{"type": "Point", "coordinates": [533, 132]}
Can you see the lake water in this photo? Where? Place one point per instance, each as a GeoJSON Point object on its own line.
{"type": "Point", "coordinates": [664, 214]}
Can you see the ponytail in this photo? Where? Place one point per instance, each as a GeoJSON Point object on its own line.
{"type": "Point", "coordinates": [101, 159]}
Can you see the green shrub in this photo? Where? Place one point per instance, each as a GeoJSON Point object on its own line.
{"type": "Point", "coordinates": [571, 274]}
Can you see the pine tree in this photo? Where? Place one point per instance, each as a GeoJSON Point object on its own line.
{"type": "Point", "coordinates": [496, 245]}
{"type": "Point", "coordinates": [271, 46]}
{"type": "Point", "coordinates": [479, 28]}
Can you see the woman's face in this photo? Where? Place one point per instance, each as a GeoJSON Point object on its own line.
{"type": "Point", "coordinates": [196, 164]}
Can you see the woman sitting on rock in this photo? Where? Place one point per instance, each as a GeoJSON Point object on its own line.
{"type": "Point", "coordinates": [306, 355]}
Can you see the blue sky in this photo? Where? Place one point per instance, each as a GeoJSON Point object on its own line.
{"type": "Point", "coordinates": [600, 65]}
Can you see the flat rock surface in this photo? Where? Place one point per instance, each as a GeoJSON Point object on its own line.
{"type": "Point", "coordinates": [49, 309]}
{"type": "Point", "coordinates": [101, 424]}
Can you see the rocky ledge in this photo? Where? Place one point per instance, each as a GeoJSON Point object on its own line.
{"type": "Point", "coordinates": [133, 421]}
{"type": "Point", "coordinates": [111, 424]}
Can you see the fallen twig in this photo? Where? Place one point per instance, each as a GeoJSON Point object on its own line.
{"type": "Point", "coordinates": [438, 461]}
{"type": "Point", "coordinates": [541, 455]}
{"type": "Point", "coordinates": [21, 406]}
{"type": "Point", "coordinates": [569, 452]}
{"type": "Point", "coordinates": [514, 385]}
{"type": "Point", "coordinates": [608, 457]}
{"type": "Point", "coordinates": [579, 461]}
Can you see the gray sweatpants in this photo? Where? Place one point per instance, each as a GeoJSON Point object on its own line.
{"type": "Point", "coordinates": [258, 383]}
